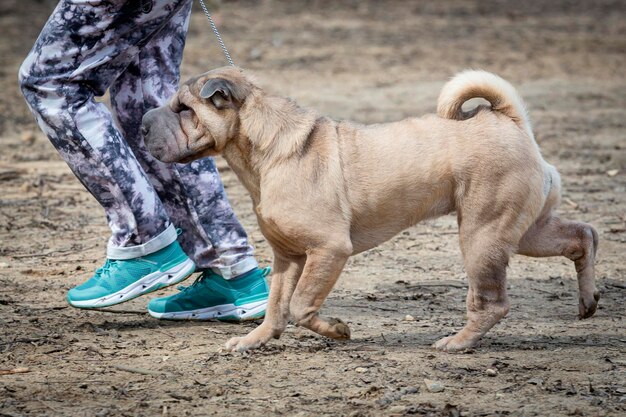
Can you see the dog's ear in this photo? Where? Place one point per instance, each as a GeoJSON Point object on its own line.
{"type": "Point", "coordinates": [222, 93]}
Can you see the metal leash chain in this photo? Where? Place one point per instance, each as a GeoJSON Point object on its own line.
{"type": "Point", "coordinates": [217, 33]}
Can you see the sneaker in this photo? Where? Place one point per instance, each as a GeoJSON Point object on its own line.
{"type": "Point", "coordinates": [122, 280]}
{"type": "Point", "coordinates": [213, 297]}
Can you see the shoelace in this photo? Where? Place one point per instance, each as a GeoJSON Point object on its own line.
{"type": "Point", "coordinates": [195, 282]}
{"type": "Point", "coordinates": [110, 262]}
{"type": "Point", "coordinates": [103, 268]}
{"type": "Point", "coordinates": [107, 265]}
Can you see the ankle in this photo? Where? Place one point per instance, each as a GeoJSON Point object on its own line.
{"type": "Point", "coordinates": [236, 270]}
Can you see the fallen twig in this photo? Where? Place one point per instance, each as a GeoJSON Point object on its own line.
{"type": "Point", "coordinates": [11, 174]}
{"type": "Point", "coordinates": [14, 371]}
{"type": "Point", "coordinates": [105, 310]}
{"type": "Point", "coordinates": [453, 284]}
{"type": "Point", "coordinates": [49, 406]}
{"type": "Point", "coordinates": [139, 370]}
{"type": "Point", "coordinates": [55, 350]}
{"type": "Point", "coordinates": [349, 348]}
{"type": "Point", "coordinates": [179, 396]}
{"type": "Point", "coordinates": [571, 203]}
{"type": "Point", "coordinates": [23, 340]}
{"type": "Point", "coordinates": [370, 306]}
{"type": "Point", "coordinates": [43, 308]}
{"type": "Point", "coordinates": [544, 291]}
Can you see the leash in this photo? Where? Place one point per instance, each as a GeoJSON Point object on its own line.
{"type": "Point", "coordinates": [217, 33]}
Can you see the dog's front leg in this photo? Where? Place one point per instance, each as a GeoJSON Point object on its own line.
{"type": "Point", "coordinates": [321, 271]}
{"type": "Point", "coordinates": [284, 279]}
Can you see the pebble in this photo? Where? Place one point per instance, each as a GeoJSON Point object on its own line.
{"type": "Point", "coordinates": [215, 391]}
{"type": "Point", "coordinates": [434, 386]}
{"type": "Point", "coordinates": [409, 317]}
{"type": "Point", "coordinates": [410, 390]}
{"type": "Point", "coordinates": [105, 412]}
{"type": "Point", "coordinates": [397, 409]}
{"type": "Point", "coordinates": [4, 265]}
{"type": "Point", "coordinates": [28, 137]}
{"type": "Point", "coordinates": [612, 172]}
{"type": "Point", "coordinates": [360, 369]}
{"type": "Point", "coordinates": [491, 372]}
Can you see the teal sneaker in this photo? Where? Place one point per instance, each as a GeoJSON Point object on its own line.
{"type": "Point", "coordinates": [122, 280]}
{"type": "Point", "coordinates": [213, 297]}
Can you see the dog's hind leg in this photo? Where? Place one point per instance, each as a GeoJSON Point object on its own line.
{"type": "Point", "coordinates": [285, 276]}
{"type": "Point", "coordinates": [551, 236]}
{"type": "Point", "coordinates": [321, 271]}
{"type": "Point", "coordinates": [486, 258]}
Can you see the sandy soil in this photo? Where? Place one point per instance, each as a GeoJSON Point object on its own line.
{"type": "Point", "coordinates": [368, 61]}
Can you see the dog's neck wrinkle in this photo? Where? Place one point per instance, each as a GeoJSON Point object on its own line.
{"type": "Point", "coordinates": [238, 159]}
{"type": "Point", "coordinates": [276, 127]}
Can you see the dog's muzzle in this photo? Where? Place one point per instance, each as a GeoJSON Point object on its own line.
{"type": "Point", "coordinates": [161, 130]}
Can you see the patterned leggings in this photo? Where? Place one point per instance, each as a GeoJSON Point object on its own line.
{"type": "Point", "coordinates": [134, 49]}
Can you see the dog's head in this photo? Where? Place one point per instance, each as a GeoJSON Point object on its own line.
{"type": "Point", "coordinates": [200, 118]}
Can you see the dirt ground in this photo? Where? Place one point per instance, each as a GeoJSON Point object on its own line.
{"type": "Point", "coordinates": [368, 61]}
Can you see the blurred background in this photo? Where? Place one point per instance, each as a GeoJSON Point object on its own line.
{"type": "Point", "coordinates": [372, 50]}
{"type": "Point", "coordinates": [369, 61]}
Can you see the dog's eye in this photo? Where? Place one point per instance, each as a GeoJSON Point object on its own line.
{"type": "Point", "coordinates": [178, 106]}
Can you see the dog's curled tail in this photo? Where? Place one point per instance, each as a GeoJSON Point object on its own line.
{"type": "Point", "coordinates": [482, 84]}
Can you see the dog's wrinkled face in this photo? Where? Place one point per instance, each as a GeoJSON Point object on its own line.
{"type": "Point", "coordinates": [199, 119]}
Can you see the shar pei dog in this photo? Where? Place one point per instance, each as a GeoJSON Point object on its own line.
{"type": "Point", "coordinates": [324, 190]}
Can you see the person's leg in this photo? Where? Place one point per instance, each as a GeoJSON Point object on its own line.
{"type": "Point", "coordinates": [193, 194]}
{"type": "Point", "coordinates": [215, 216]}
{"type": "Point", "coordinates": [232, 286]}
{"type": "Point", "coordinates": [81, 50]}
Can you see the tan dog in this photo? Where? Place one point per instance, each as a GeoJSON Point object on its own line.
{"type": "Point", "coordinates": [325, 190]}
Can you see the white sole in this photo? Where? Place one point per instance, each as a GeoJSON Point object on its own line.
{"type": "Point", "coordinates": [147, 284]}
{"type": "Point", "coordinates": [249, 311]}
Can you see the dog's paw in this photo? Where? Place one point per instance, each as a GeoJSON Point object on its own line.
{"type": "Point", "coordinates": [242, 344]}
{"type": "Point", "coordinates": [587, 307]}
{"type": "Point", "coordinates": [338, 329]}
{"type": "Point", "coordinates": [453, 344]}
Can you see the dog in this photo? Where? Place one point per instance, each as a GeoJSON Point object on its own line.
{"type": "Point", "coordinates": [324, 190]}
